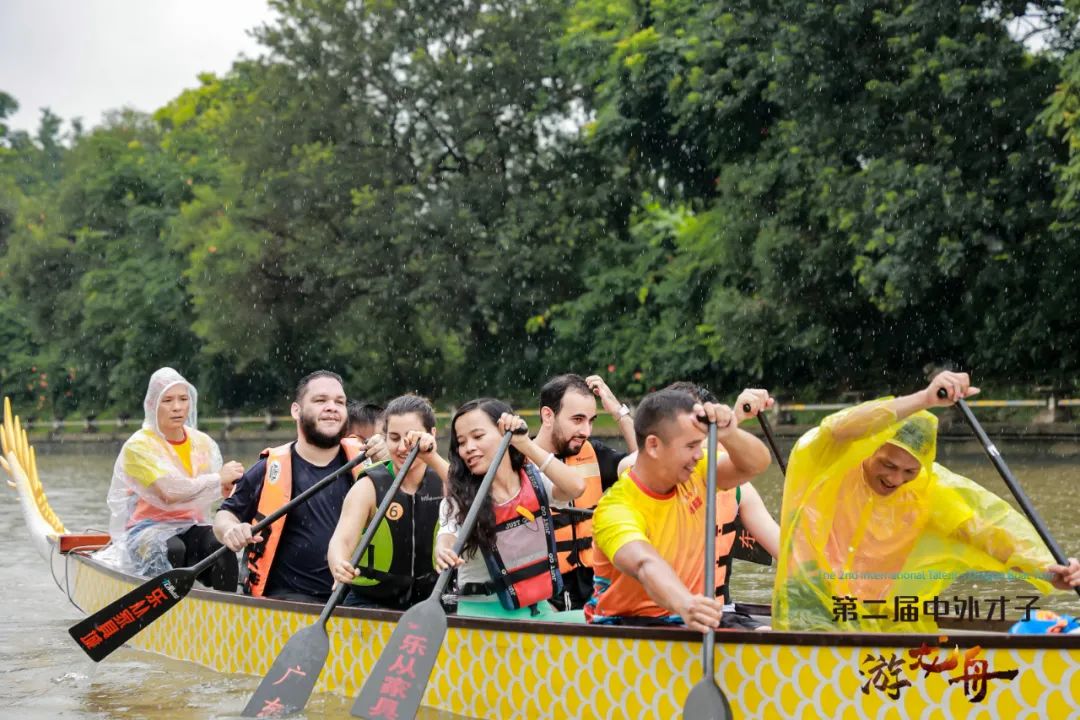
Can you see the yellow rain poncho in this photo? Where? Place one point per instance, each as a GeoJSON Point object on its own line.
{"type": "Point", "coordinates": [841, 539]}
{"type": "Point", "coordinates": [153, 496]}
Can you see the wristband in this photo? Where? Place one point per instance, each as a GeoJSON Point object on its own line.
{"type": "Point", "coordinates": [547, 461]}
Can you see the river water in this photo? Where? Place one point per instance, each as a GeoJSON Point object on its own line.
{"type": "Point", "coordinates": [44, 675]}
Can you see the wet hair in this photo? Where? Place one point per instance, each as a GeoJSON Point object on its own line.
{"type": "Point", "coordinates": [364, 413]}
{"type": "Point", "coordinates": [406, 404]}
{"type": "Point", "coordinates": [551, 395]}
{"type": "Point", "coordinates": [302, 386]}
{"type": "Point", "coordinates": [702, 393]}
{"type": "Point", "coordinates": [464, 484]}
{"type": "Point", "coordinates": [659, 408]}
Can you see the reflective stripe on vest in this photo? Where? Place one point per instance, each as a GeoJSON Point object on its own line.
{"type": "Point", "coordinates": [523, 567]}
{"type": "Point", "coordinates": [573, 537]}
{"type": "Point", "coordinates": [276, 491]}
{"type": "Point", "coordinates": [727, 509]}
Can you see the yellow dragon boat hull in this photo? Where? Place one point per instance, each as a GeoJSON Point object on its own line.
{"type": "Point", "coordinates": [501, 669]}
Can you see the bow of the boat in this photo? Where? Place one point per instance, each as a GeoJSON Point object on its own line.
{"type": "Point", "coordinates": [20, 463]}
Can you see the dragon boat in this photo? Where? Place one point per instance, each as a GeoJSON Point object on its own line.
{"type": "Point", "coordinates": [524, 669]}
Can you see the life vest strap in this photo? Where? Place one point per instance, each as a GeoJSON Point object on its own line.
{"type": "Point", "coordinates": [583, 543]}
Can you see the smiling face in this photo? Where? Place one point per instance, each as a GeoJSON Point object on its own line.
{"type": "Point", "coordinates": [573, 424]}
{"type": "Point", "coordinates": [172, 411]}
{"type": "Point", "coordinates": [321, 413]}
{"type": "Point", "coordinates": [678, 447]}
{"type": "Point", "coordinates": [478, 439]}
{"type": "Point", "coordinates": [397, 427]}
{"type": "Point", "coordinates": [889, 468]}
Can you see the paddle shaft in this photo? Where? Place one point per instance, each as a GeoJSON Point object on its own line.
{"type": "Point", "coordinates": [422, 626]}
{"type": "Point", "coordinates": [767, 429]}
{"type": "Point", "coordinates": [710, 546]}
{"type": "Point", "coordinates": [207, 561]}
{"type": "Point", "coordinates": [1014, 486]}
{"type": "Point", "coordinates": [467, 526]}
{"type": "Point", "coordinates": [369, 531]}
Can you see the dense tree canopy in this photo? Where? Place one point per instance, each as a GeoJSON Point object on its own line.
{"type": "Point", "coordinates": [461, 199]}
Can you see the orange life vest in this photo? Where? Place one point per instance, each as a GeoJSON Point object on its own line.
{"type": "Point", "coordinates": [276, 491]}
{"type": "Point", "coordinates": [573, 536]}
{"type": "Point", "coordinates": [727, 509]}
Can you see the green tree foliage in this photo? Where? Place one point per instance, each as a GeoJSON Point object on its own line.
{"type": "Point", "coordinates": [464, 198]}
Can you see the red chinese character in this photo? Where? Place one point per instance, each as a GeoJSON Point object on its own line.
{"type": "Point", "coordinates": [976, 677]}
{"type": "Point", "coordinates": [108, 629]}
{"type": "Point", "coordinates": [272, 708]}
{"type": "Point", "coordinates": [90, 640]}
{"type": "Point", "coordinates": [882, 672]}
{"type": "Point", "coordinates": [123, 618]}
{"type": "Point", "coordinates": [289, 672]}
{"type": "Point", "coordinates": [385, 707]}
{"type": "Point", "coordinates": [394, 686]}
{"type": "Point", "coordinates": [138, 608]}
{"type": "Point", "coordinates": [156, 597]}
{"type": "Point", "coordinates": [921, 660]}
{"type": "Point", "coordinates": [414, 644]}
{"type": "Point", "coordinates": [402, 668]}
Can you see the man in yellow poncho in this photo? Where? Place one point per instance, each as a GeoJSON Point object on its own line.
{"type": "Point", "coordinates": [872, 526]}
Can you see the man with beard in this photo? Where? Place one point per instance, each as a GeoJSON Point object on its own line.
{"type": "Point", "coordinates": [288, 561]}
{"type": "Point", "coordinates": [567, 414]}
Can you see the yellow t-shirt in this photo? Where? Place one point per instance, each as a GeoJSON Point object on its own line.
{"type": "Point", "coordinates": [146, 511]}
{"type": "Point", "coordinates": [674, 524]}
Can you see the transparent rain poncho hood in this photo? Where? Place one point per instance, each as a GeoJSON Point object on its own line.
{"type": "Point", "coordinates": [841, 539]}
{"type": "Point", "coordinates": [153, 496]}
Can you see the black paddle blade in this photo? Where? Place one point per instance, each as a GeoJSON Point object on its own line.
{"type": "Point", "coordinates": [395, 687]}
{"type": "Point", "coordinates": [286, 687]}
{"type": "Point", "coordinates": [119, 621]}
{"type": "Point", "coordinates": [706, 702]}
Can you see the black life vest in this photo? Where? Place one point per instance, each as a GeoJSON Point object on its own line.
{"type": "Point", "coordinates": [398, 569]}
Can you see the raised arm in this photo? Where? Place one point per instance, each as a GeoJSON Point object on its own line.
{"type": "Point", "coordinates": [868, 418]}
{"type": "Point", "coordinates": [618, 411]}
{"type": "Point", "coordinates": [569, 485]}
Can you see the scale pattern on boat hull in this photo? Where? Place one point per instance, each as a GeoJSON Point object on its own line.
{"type": "Point", "coordinates": [484, 673]}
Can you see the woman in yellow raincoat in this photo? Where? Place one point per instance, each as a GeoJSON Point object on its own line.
{"type": "Point", "coordinates": [166, 479]}
{"type": "Point", "coordinates": [872, 526]}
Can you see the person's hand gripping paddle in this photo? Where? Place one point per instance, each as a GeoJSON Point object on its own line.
{"type": "Point", "coordinates": [706, 700]}
{"type": "Point", "coordinates": [119, 621]}
{"type": "Point", "coordinates": [288, 684]}
{"type": "Point", "coordinates": [403, 670]}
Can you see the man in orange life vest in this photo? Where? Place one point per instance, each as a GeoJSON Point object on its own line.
{"type": "Point", "coordinates": [288, 561]}
{"type": "Point", "coordinates": [567, 413]}
{"type": "Point", "coordinates": [650, 526]}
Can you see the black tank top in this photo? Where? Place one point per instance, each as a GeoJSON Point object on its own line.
{"type": "Point", "coordinates": [397, 570]}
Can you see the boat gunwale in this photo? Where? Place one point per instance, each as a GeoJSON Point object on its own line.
{"type": "Point", "coordinates": [989, 640]}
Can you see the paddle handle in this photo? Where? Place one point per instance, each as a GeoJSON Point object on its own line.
{"type": "Point", "coordinates": [710, 545]}
{"type": "Point", "coordinates": [209, 560]}
{"type": "Point", "coordinates": [474, 512]}
{"type": "Point", "coordinates": [1010, 480]}
{"type": "Point", "coordinates": [769, 438]}
{"type": "Point", "coordinates": [369, 531]}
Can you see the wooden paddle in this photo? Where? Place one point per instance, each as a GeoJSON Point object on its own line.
{"type": "Point", "coordinates": [396, 685]}
{"type": "Point", "coordinates": [286, 687]}
{"type": "Point", "coordinates": [1006, 475]}
{"type": "Point", "coordinates": [706, 700]}
{"type": "Point", "coordinates": [119, 621]}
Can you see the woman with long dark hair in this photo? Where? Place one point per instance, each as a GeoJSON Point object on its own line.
{"type": "Point", "coordinates": [508, 566]}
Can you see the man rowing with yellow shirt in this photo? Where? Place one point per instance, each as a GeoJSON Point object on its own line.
{"type": "Point", "coordinates": [649, 527]}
